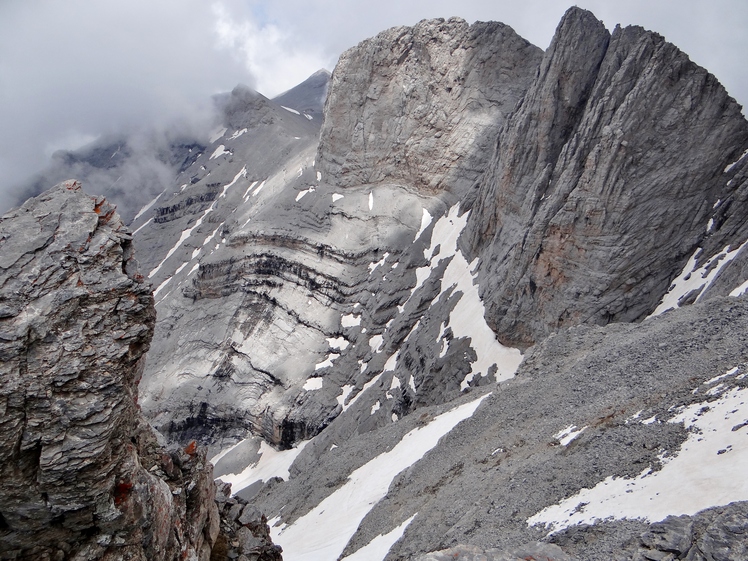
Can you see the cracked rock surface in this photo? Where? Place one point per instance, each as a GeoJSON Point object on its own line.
{"type": "Point", "coordinates": [82, 474]}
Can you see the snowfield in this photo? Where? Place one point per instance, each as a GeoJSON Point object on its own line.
{"type": "Point", "coordinates": [709, 470]}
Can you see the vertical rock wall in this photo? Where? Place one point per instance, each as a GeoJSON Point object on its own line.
{"type": "Point", "coordinates": [603, 182]}
{"type": "Point", "coordinates": [421, 105]}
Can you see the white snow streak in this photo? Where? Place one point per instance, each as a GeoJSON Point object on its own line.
{"type": "Point", "coordinates": [376, 264]}
{"type": "Point", "coordinates": [291, 110]}
{"type": "Point", "coordinates": [692, 279]}
{"type": "Point", "coordinates": [739, 291]}
{"type": "Point", "coordinates": [323, 533]}
{"type": "Point", "coordinates": [301, 194]}
{"type": "Point", "coordinates": [378, 548]}
{"type": "Point", "coordinates": [237, 134]}
{"type": "Point", "coordinates": [272, 463]}
{"type": "Point", "coordinates": [246, 193]}
{"type": "Point", "coordinates": [732, 165]}
{"type": "Point", "coordinates": [565, 436]}
{"type": "Point", "coordinates": [145, 209]}
{"type": "Point", "coordinates": [425, 221]}
{"type": "Point", "coordinates": [187, 233]}
{"type": "Point", "coordinates": [143, 225]}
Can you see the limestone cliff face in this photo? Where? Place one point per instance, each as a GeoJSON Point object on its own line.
{"type": "Point", "coordinates": [421, 105]}
{"type": "Point", "coordinates": [82, 475]}
{"type": "Point", "coordinates": [603, 182]}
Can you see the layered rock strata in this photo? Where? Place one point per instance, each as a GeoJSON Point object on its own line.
{"type": "Point", "coordinates": [273, 248]}
{"type": "Point", "coordinates": [82, 475]}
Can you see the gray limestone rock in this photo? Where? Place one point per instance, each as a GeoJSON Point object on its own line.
{"type": "Point", "coordinates": [490, 474]}
{"type": "Point", "coordinates": [80, 469]}
{"type": "Point", "coordinates": [603, 182]}
{"type": "Point", "coordinates": [421, 105]}
{"type": "Point", "coordinates": [538, 551]}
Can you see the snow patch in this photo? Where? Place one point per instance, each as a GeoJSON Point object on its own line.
{"type": "Point", "coordinates": [272, 463]}
{"type": "Point", "coordinates": [324, 532]}
{"type": "Point", "coordinates": [732, 165]}
{"type": "Point", "coordinates": [700, 279]}
{"type": "Point", "coordinates": [710, 465]}
{"type": "Point", "coordinates": [725, 375]}
{"type": "Point", "coordinates": [339, 343]}
{"type": "Point", "coordinates": [143, 225]}
{"type": "Point", "coordinates": [425, 221]}
{"type": "Point", "coordinates": [376, 343]}
{"type": "Point", "coordinates": [327, 363]}
{"type": "Point", "coordinates": [291, 110]}
{"type": "Point", "coordinates": [237, 134]}
{"type": "Point", "coordinates": [259, 188]}
{"type": "Point", "coordinates": [380, 546]}
{"type": "Point", "coordinates": [313, 384]}
{"type": "Point", "coordinates": [145, 209]}
{"type": "Point", "coordinates": [335, 196]}
{"type": "Point", "coordinates": [246, 193]}
{"type": "Point", "coordinates": [350, 320]}
{"type": "Point", "coordinates": [346, 391]}
{"type": "Point", "coordinates": [739, 291]}
{"type": "Point", "coordinates": [301, 194]}
{"type": "Point", "coordinates": [565, 436]}
{"type": "Point", "coordinates": [220, 151]}
{"type": "Point", "coordinates": [161, 286]}
{"type": "Point", "coordinates": [371, 200]}
{"type": "Point", "coordinates": [376, 264]}
{"type": "Point", "coordinates": [390, 365]}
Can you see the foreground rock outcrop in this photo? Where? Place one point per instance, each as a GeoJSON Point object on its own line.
{"type": "Point", "coordinates": [82, 474]}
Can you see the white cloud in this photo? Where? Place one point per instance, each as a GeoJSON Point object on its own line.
{"type": "Point", "coordinates": [276, 59]}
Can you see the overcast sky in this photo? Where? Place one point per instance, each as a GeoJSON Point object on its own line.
{"type": "Point", "coordinates": [73, 70]}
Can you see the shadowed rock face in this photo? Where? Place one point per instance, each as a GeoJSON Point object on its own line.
{"type": "Point", "coordinates": [78, 462]}
{"type": "Point", "coordinates": [421, 105]}
{"type": "Point", "coordinates": [603, 181]}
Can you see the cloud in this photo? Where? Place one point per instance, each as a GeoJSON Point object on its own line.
{"type": "Point", "coordinates": [278, 60]}
{"type": "Point", "coordinates": [76, 70]}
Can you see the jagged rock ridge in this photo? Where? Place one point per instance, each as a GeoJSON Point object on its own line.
{"type": "Point", "coordinates": [603, 183]}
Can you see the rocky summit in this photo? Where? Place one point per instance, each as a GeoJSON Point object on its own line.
{"type": "Point", "coordinates": [461, 299]}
